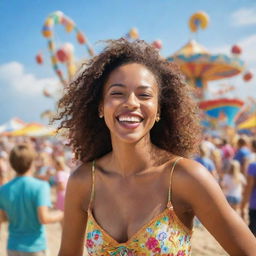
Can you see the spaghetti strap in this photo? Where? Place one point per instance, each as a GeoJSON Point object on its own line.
{"type": "Point", "coordinates": [93, 185]}
{"type": "Point", "coordinates": [169, 204]}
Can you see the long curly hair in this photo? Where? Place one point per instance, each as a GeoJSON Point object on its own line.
{"type": "Point", "coordinates": [177, 131]}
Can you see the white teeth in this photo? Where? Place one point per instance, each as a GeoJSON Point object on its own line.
{"type": "Point", "coordinates": [129, 119]}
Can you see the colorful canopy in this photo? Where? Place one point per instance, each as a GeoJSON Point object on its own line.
{"type": "Point", "coordinates": [12, 125]}
{"type": "Point", "coordinates": [35, 130]}
{"type": "Point", "coordinates": [200, 66]}
{"type": "Point", "coordinates": [223, 110]}
{"type": "Point", "coordinates": [249, 123]}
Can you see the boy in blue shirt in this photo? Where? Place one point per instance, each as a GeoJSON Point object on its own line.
{"type": "Point", "coordinates": [25, 202]}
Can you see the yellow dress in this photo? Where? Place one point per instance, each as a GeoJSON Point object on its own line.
{"type": "Point", "coordinates": [164, 235]}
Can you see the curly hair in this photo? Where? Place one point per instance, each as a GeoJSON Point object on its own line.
{"type": "Point", "coordinates": [177, 131]}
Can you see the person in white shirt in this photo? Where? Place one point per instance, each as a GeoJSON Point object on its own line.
{"type": "Point", "coordinates": [232, 184]}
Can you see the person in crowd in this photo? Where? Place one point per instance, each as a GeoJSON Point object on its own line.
{"type": "Point", "coordinates": [233, 183]}
{"type": "Point", "coordinates": [243, 154]}
{"type": "Point", "coordinates": [227, 153]}
{"type": "Point", "coordinates": [206, 161]}
{"type": "Point", "coordinates": [132, 122]}
{"type": "Point", "coordinates": [4, 167]}
{"type": "Point", "coordinates": [61, 179]}
{"type": "Point", "coordinates": [250, 192]}
{"type": "Point", "coordinates": [44, 167]}
{"type": "Point", "coordinates": [24, 203]}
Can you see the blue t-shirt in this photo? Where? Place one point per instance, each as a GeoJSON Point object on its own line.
{"type": "Point", "coordinates": [241, 154]}
{"type": "Point", "coordinates": [19, 199]}
{"type": "Point", "coordinates": [206, 162]}
{"type": "Point", "coordinates": [252, 172]}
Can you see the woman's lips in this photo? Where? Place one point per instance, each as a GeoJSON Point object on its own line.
{"type": "Point", "coordinates": [129, 120]}
{"type": "Point", "coordinates": [129, 125]}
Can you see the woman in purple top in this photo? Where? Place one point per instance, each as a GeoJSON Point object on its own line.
{"type": "Point", "coordinates": [250, 192]}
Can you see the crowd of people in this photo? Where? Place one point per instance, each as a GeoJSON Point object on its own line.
{"type": "Point", "coordinates": [233, 165]}
{"type": "Point", "coordinates": [33, 178]}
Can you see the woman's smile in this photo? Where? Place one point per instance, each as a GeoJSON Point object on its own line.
{"type": "Point", "coordinates": [129, 120]}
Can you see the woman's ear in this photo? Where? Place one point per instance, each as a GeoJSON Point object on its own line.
{"type": "Point", "coordinates": [100, 111]}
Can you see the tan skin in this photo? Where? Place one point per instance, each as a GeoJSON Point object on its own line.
{"type": "Point", "coordinates": [132, 181]}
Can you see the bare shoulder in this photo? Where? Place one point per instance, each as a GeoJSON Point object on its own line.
{"type": "Point", "coordinates": [80, 184]}
{"type": "Point", "coordinates": [193, 182]}
{"type": "Point", "coordinates": [82, 173]}
{"type": "Point", "coordinates": [191, 170]}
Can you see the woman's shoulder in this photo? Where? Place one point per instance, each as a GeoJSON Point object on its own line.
{"type": "Point", "coordinates": [81, 178]}
{"type": "Point", "coordinates": [79, 185]}
{"type": "Point", "coordinates": [191, 176]}
{"type": "Point", "coordinates": [82, 173]}
{"type": "Point", "coordinates": [191, 169]}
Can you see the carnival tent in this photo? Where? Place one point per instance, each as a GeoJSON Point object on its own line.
{"type": "Point", "coordinates": [12, 125]}
{"type": "Point", "coordinates": [35, 130]}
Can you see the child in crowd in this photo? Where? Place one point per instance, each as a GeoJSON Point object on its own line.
{"type": "Point", "coordinates": [61, 179]}
{"type": "Point", "coordinates": [232, 183]}
{"type": "Point", "coordinates": [25, 202]}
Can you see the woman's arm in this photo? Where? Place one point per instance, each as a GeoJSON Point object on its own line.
{"type": "Point", "coordinates": [207, 200]}
{"type": "Point", "coordinates": [75, 215]}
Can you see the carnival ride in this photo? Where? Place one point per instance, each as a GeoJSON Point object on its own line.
{"type": "Point", "coordinates": [62, 57]}
{"type": "Point", "coordinates": [65, 53]}
{"type": "Point", "coordinates": [200, 67]}
{"type": "Point", "coordinates": [197, 63]}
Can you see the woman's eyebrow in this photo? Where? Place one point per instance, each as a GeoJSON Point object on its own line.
{"type": "Point", "coordinates": [144, 87]}
{"type": "Point", "coordinates": [116, 85]}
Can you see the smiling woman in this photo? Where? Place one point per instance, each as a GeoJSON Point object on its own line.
{"type": "Point", "coordinates": [132, 123]}
{"type": "Point", "coordinates": [178, 129]}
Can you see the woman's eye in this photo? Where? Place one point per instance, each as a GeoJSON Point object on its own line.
{"type": "Point", "coordinates": [116, 93]}
{"type": "Point", "coordinates": [145, 95]}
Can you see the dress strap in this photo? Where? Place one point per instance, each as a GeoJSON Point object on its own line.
{"type": "Point", "coordinates": [93, 184]}
{"type": "Point", "coordinates": [169, 204]}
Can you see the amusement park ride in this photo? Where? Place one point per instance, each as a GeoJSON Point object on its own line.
{"type": "Point", "coordinates": [200, 67]}
{"type": "Point", "coordinates": [195, 61]}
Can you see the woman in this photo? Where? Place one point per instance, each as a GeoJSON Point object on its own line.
{"type": "Point", "coordinates": [131, 119]}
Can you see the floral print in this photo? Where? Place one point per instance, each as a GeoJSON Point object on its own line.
{"type": "Point", "coordinates": [165, 235]}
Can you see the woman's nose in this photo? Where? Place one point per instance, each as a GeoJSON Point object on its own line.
{"type": "Point", "coordinates": [132, 101]}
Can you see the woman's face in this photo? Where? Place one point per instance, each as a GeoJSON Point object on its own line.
{"type": "Point", "coordinates": [130, 102]}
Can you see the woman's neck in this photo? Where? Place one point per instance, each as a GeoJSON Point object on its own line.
{"type": "Point", "coordinates": [131, 158]}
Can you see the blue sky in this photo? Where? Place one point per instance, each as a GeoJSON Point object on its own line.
{"type": "Point", "coordinates": [22, 80]}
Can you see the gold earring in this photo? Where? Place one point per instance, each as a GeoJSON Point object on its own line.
{"type": "Point", "coordinates": [157, 118]}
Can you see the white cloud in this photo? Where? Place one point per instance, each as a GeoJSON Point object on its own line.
{"type": "Point", "coordinates": [13, 75]}
{"type": "Point", "coordinates": [244, 16]}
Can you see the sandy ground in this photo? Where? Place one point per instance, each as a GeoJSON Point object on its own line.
{"type": "Point", "coordinates": [203, 243]}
